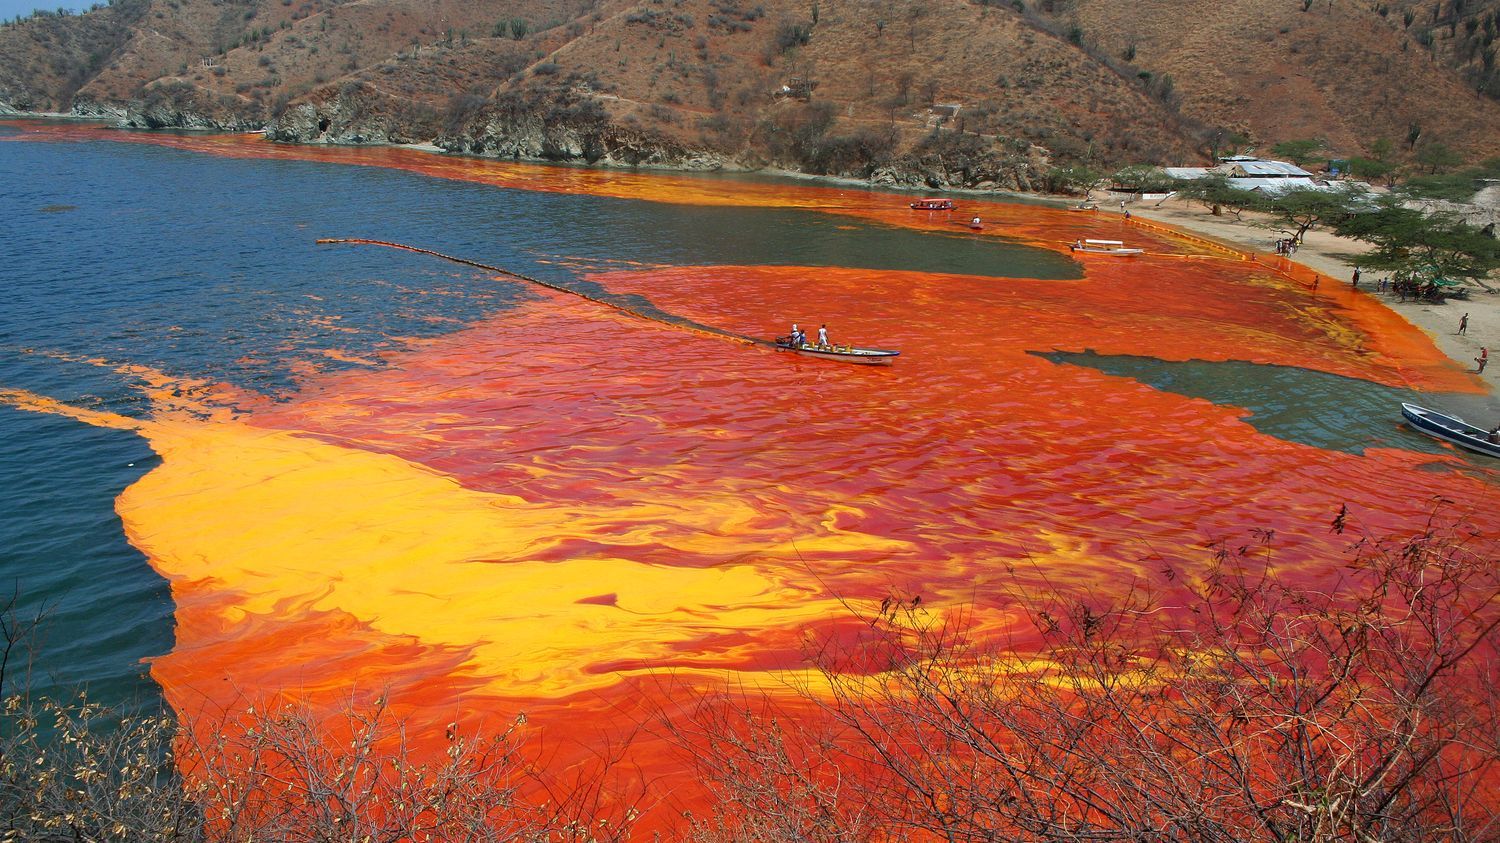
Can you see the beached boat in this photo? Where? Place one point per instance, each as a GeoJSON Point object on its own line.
{"type": "Point", "coordinates": [846, 353]}
{"type": "Point", "coordinates": [932, 205]}
{"type": "Point", "coordinates": [1104, 247]}
{"type": "Point", "coordinates": [1450, 429]}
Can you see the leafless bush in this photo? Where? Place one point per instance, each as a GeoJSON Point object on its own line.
{"type": "Point", "coordinates": [1258, 708]}
{"type": "Point", "coordinates": [74, 770]}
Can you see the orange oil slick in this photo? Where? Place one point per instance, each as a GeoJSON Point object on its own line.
{"type": "Point", "coordinates": [596, 518]}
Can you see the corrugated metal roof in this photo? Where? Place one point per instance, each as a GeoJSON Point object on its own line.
{"type": "Point", "coordinates": [1185, 172]}
{"type": "Point", "coordinates": [1271, 168]}
{"type": "Point", "coordinates": [1277, 185]}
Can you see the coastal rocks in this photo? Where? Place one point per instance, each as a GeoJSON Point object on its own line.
{"type": "Point", "coordinates": [354, 113]}
{"type": "Point", "coordinates": [570, 129]}
{"type": "Point", "coordinates": [20, 101]}
{"type": "Point", "coordinates": [85, 106]}
{"type": "Point", "coordinates": [991, 173]}
{"type": "Point", "coordinates": [180, 105]}
{"type": "Point", "coordinates": [971, 162]}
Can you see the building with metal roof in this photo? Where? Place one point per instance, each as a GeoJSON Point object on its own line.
{"type": "Point", "coordinates": [1262, 169]}
{"type": "Point", "coordinates": [1249, 173]}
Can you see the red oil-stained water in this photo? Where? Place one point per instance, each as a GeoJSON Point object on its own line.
{"type": "Point", "coordinates": [595, 518]}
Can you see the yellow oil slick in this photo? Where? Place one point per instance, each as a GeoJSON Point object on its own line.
{"type": "Point", "coordinates": [300, 525]}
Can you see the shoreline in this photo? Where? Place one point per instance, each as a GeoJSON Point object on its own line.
{"type": "Point", "coordinates": [1321, 252]}
{"type": "Point", "coordinates": [1325, 254]}
{"type": "Point", "coordinates": [429, 147]}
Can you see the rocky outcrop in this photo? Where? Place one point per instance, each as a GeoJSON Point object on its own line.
{"type": "Point", "coordinates": [565, 126]}
{"type": "Point", "coordinates": [180, 105]}
{"type": "Point", "coordinates": [85, 106]}
{"type": "Point", "coordinates": [969, 162]}
{"type": "Point", "coordinates": [602, 144]}
{"type": "Point", "coordinates": [353, 113]}
{"type": "Point", "coordinates": [20, 100]}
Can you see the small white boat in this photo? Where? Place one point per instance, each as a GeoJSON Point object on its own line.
{"type": "Point", "coordinates": [1104, 247]}
{"type": "Point", "coordinates": [1450, 429]}
{"type": "Point", "coordinates": [845, 353]}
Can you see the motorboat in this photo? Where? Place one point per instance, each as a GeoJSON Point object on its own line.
{"type": "Point", "coordinates": [845, 353]}
{"type": "Point", "coordinates": [1450, 429]}
{"type": "Point", "coordinates": [932, 205]}
{"type": "Point", "coordinates": [1104, 247]}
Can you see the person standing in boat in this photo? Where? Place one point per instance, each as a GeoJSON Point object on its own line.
{"type": "Point", "coordinates": [796, 338]}
{"type": "Point", "coordinates": [823, 335]}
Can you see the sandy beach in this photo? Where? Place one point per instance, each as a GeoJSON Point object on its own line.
{"type": "Point", "coordinates": [1324, 253]}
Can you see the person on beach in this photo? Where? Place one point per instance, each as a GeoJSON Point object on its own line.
{"type": "Point", "coordinates": [1315, 283]}
{"type": "Point", "coordinates": [1354, 282]}
{"type": "Point", "coordinates": [1463, 325]}
{"type": "Point", "coordinates": [1483, 359]}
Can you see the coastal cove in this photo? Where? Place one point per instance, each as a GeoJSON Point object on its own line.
{"type": "Point", "coordinates": [251, 464]}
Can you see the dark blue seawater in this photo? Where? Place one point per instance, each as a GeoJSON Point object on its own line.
{"type": "Point", "coordinates": [1325, 411]}
{"type": "Point", "coordinates": [207, 267]}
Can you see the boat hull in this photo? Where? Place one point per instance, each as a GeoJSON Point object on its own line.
{"type": "Point", "coordinates": [1449, 429]}
{"type": "Point", "coordinates": [1116, 252]}
{"type": "Point", "coordinates": [858, 356]}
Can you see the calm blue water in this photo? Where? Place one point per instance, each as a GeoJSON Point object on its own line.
{"type": "Point", "coordinates": [1311, 408]}
{"type": "Point", "coordinates": [207, 267]}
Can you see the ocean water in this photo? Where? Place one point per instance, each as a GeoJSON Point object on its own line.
{"type": "Point", "coordinates": [127, 263]}
{"type": "Point", "coordinates": [206, 267]}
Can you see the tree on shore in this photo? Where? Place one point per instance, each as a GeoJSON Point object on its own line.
{"type": "Point", "coordinates": [1214, 191]}
{"type": "Point", "coordinates": [1408, 239]}
{"type": "Point", "coordinates": [1074, 179]}
{"type": "Point", "coordinates": [1140, 178]}
{"type": "Point", "coordinates": [1301, 210]}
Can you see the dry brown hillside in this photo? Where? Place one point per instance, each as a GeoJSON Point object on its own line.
{"type": "Point", "coordinates": [1285, 69]}
{"type": "Point", "coordinates": [942, 91]}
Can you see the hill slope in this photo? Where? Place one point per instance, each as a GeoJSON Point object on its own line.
{"type": "Point", "coordinates": [853, 87]}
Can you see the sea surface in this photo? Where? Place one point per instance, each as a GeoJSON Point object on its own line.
{"type": "Point", "coordinates": [233, 455]}
{"type": "Point", "coordinates": [207, 268]}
